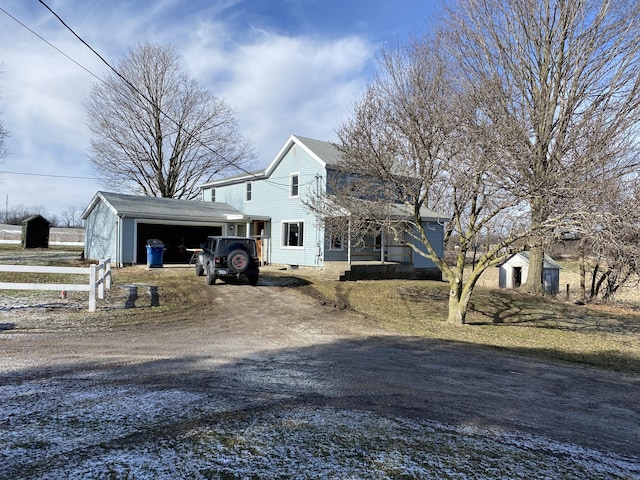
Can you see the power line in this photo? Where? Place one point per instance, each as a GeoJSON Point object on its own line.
{"type": "Point", "coordinates": [47, 175]}
{"type": "Point", "coordinates": [124, 79]}
{"type": "Point", "coordinates": [140, 93]}
{"type": "Point", "coordinates": [50, 44]}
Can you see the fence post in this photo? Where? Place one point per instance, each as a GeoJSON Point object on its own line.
{"type": "Point", "coordinates": [100, 280]}
{"type": "Point", "coordinates": [107, 266]}
{"type": "Point", "coordinates": [92, 288]}
{"type": "Point", "coordinates": [155, 296]}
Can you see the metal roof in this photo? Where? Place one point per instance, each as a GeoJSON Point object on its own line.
{"type": "Point", "coordinates": [325, 151]}
{"type": "Point", "coordinates": [549, 263]}
{"type": "Point", "coordinates": [164, 208]}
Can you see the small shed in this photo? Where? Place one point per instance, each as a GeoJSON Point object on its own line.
{"type": "Point", "coordinates": [35, 232]}
{"type": "Point", "coordinates": [514, 270]}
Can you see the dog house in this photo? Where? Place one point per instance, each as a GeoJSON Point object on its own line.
{"type": "Point", "coordinates": [514, 271]}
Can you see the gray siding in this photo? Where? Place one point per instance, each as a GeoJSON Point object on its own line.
{"type": "Point", "coordinates": [101, 233]}
{"type": "Point", "coordinates": [271, 198]}
{"type": "Point", "coordinates": [435, 234]}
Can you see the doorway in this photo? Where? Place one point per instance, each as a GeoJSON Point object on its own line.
{"type": "Point", "coordinates": [517, 277]}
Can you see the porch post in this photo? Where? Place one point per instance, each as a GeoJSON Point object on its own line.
{"type": "Point", "coordinates": [349, 243]}
{"type": "Point", "coordinates": [382, 243]}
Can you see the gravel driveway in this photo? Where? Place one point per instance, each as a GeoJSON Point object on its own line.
{"type": "Point", "coordinates": [271, 349]}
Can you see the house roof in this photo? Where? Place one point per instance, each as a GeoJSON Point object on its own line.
{"type": "Point", "coordinates": [549, 263]}
{"type": "Point", "coordinates": [325, 153]}
{"type": "Point", "coordinates": [426, 214]}
{"type": "Point", "coordinates": [396, 210]}
{"type": "Point", "coordinates": [164, 208]}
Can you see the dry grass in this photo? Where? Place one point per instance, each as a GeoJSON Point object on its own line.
{"type": "Point", "coordinates": [606, 336]}
{"type": "Point", "coordinates": [602, 336]}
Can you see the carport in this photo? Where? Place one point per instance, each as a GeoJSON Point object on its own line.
{"type": "Point", "coordinates": [118, 226]}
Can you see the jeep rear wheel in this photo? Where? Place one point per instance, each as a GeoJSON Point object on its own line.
{"type": "Point", "coordinates": [238, 261]}
{"type": "Point", "coordinates": [253, 279]}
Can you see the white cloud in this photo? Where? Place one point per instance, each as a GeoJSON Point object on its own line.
{"type": "Point", "coordinates": [277, 84]}
{"type": "Point", "coordinates": [283, 85]}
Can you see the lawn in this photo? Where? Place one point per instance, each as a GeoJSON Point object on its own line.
{"type": "Point", "coordinates": [606, 336]}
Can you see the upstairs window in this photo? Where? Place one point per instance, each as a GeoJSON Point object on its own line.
{"type": "Point", "coordinates": [248, 191]}
{"type": "Point", "coordinates": [294, 184]}
{"type": "Point", "coordinates": [213, 194]}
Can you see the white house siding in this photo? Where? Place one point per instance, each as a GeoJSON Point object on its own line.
{"type": "Point", "coordinates": [270, 198]}
{"type": "Point", "coordinates": [101, 233]}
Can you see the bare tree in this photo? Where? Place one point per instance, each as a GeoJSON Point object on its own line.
{"type": "Point", "coordinates": [72, 216]}
{"type": "Point", "coordinates": [4, 134]}
{"type": "Point", "coordinates": [607, 232]}
{"type": "Point", "coordinates": [17, 213]}
{"type": "Point", "coordinates": [159, 132]}
{"type": "Point", "coordinates": [415, 139]}
{"type": "Point", "coordinates": [565, 97]}
{"type": "Point", "coordinates": [3, 139]}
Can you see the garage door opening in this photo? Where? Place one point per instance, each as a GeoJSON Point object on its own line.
{"type": "Point", "coordinates": [177, 240]}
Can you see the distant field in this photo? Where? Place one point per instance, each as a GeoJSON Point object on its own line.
{"type": "Point", "coordinates": [12, 234]}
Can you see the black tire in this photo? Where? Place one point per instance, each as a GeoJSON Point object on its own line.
{"type": "Point", "coordinates": [238, 261]}
{"type": "Point", "coordinates": [199, 269]}
{"type": "Point", "coordinates": [253, 279]}
{"type": "Point", "coordinates": [211, 277]}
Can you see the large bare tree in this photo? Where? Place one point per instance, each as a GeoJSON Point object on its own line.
{"type": "Point", "coordinates": [415, 139]}
{"type": "Point", "coordinates": [158, 132]}
{"type": "Point", "coordinates": [3, 139]}
{"type": "Point", "coordinates": [565, 97]}
{"type": "Point", "coordinates": [605, 229]}
{"type": "Point", "coordinates": [4, 134]}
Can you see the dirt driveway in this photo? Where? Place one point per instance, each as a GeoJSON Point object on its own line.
{"type": "Point", "coordinates": [276, 346]}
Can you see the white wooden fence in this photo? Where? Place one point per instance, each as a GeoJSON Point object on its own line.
{"type": "Point", "coordinates": [99, 279]}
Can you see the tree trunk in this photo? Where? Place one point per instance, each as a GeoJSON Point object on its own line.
{"type": "Point", "coordinates": [458, 302]}
{"type": "Point", "coordinates": [534, 277]}
{"type": "Point", "coordinates": [583, 278]}
{"type": "Point", "coordinates": [539, 214]}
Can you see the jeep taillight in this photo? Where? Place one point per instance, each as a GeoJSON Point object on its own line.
{"type": "Point", "coordinates": [216, 259]}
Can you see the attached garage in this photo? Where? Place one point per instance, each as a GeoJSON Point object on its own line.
{"type": "Point", "coordinates": [118, 226]}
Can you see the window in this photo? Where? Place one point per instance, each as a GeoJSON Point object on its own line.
{"type": "Point", "coordinates": [337, 242]}
{"type": "Point", "coordinates": [213, 194]}
{"type": "Point", "coordinates": [293, 234]}
{"type": "Point", "coordinates": [248, 191]}
{"type": "Point", "coordinates": [295, 179]}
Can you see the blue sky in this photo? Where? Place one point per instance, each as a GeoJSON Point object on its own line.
{"type": "Point", "coordinates": [284, 66]}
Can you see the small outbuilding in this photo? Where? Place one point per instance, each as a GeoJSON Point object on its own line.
{"type": "Point", "coordinates": [514, 270]}
{"type": "Point", "coordinates": [35, 232]}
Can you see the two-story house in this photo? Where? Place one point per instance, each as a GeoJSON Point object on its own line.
{"type": "Point", "coordinates": [290, 234]}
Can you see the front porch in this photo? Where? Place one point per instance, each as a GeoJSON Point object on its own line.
{"type": "Point", "coordinates": [376, 270]}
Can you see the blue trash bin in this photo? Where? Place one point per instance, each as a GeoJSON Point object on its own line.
{"type": "Point", "coordinates": [155, 251]}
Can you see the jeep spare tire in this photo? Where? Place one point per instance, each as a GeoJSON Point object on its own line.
{"type": "Point", "coordinates": [238, 261]}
